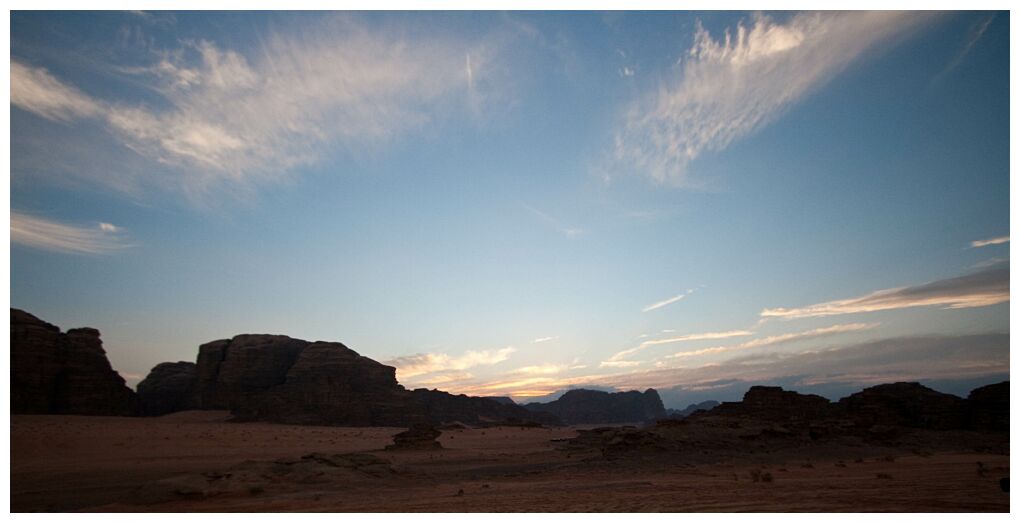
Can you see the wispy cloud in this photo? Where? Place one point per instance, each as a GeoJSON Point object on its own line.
{"type": "Point", "coordinates": [990, 241]}
{"type": "Point", "coordinates": [667, 301]}
{"type": "Point", "coordinates": [978, 289]}
{"type": "Point", "coordinates": [421, 364]}
{"type": "Point", "coordinates": [548, 368]}
{"type": "Point", "coordinates": [545, 339]}
{"type": "Point", "coordinates": [616, 359]}
{"type": "Point", "coordinates": [977, 30]}
{"type": "Point", "coordinates": [229, 117]}
{"type": "Point", "coordinates": [879, 361]}
{"type": "Point", "coordinates": [780, 339]}
{"type": "Point", "coordinates": [35, 89]}
{"type": "Point", "coordinates": [33, 231]}
{"type": "Point", "coordinates": [734, 85]}
{"type": "Point", "coordinates": [562, 228]}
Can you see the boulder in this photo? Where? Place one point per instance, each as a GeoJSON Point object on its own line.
{"type": "Point", "coordinates": [418, 437]}
{"type": "Point", "coordinates": [63, 373]}
{"type": "Point", "coordinates": [583, 406]}
{"type": "Point", "coordinates": [169, 387]}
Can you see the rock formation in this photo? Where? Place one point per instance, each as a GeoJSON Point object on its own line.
{"type": "Point", "coordinates": [418, 437]}
{"type": "Point", "coordinates": [988, 407]}
{"type": "Point", "coordinates": [63, 373]}
{"type": "Point", "coordinates": [169, 387]}
{"type": "Point", "coordinates": [286, 380]}
{"type": "Point", "coordinates": [582, 406]}
{"type": "Point", "coordinates": [772, 421]}
{"type": "Point", "coordinates": [776, 404]}
{"type": "Point", "coordinates": [905, 405]}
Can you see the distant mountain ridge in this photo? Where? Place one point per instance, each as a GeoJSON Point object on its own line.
{"type": "Point", "coordinates": [582, 406]}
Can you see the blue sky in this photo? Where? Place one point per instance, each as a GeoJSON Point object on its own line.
{"type": "Point", "coordinates": [514, 203]}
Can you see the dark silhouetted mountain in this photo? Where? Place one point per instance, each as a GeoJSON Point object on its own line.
{"type": "Point", "coordinates": [581, 406]}
{"type": "Point", "coordinates": [905, 405]}
{"type": "Point", "coordinates": [63, 373]}
{"type": "Point", "coordinates": [691, 409]}
{"type": "Point", "coordinates": [771, 420]}
{"type": "Point", "coordinates": [286, 380]}
{"type": "Point", "coordinates": [988, 407]}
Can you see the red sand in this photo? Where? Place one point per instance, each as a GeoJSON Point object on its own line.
{"type": "Point", "coordinates": [64, 463]}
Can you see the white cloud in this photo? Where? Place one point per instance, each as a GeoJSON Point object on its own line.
{"type": "Point", "coordinates": [736, 84]}
{"type": "Point", "coordinates": [548, 368]}
{"type": "Point", "coordinates": [985, 287]}
{"type": "Point", "coordinates": [990, 241]}
{"type": "Point", "coordinates": [781, 338]}
{"type": "Point", "coordinates": [230, 117]}
{"type": "Point", "coordinates": [545, 339]}
{"type": "Point", "coordinates": [35, 89]}
{"type": "Point", "coordinates": [619, 356]}
{"type": "Point", "coordinates": [620, 363]}
{"type": "Point", "coordinates": [667, 301]}
{"type": "Point", "coordinates": [421, 364]}
{"type": "Point", "coordinates": [33, 231]}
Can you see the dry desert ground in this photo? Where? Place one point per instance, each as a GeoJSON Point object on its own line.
{"type": "Point", "coordinates": [197, 461]}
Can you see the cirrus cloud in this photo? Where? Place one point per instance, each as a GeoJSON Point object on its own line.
{"type": "Point", "coordinates": [41, 233]}
{"type": "Point", "coordinates": [732, 86]}
{"type": "Point", "coordinates": [987, 286]}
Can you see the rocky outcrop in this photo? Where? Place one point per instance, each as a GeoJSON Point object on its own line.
{"type": "Point", "coordinates": [905, 405]}
{"type": "Point", "coordinates": [776, 404]}
{"type": "Point", "coordinates": [63, 373]}
{"type": "Point", "coordinates": [169, 387]}
{"type": "Point", "coordinates": [582, 406]}
{"type": "Point", "coordinates": [418, 437]}
{"type": "Point", "coordinates": [988, 407]}
{"type": "Point", "coordinates": [770, 421]}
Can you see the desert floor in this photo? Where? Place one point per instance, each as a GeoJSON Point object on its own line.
{"type": "Point", "coordinates": [68, 463]}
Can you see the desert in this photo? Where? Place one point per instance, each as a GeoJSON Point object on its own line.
{"type": "Point", "coordinates": [895, 447]}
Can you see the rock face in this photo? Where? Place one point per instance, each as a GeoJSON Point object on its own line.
{"type": "Point", "coordinates": [988, 407]}
{"type": "Point", "coordinates": [582, 406]}
{"type": "Point", "coordinates": [905, 405]}
{"type": "Point", "coordinates": [286, 380]}
{"type": "Point", "coordinates": [229, 371]}
{"type": "Point", "coordinates": [63, 373]}
{"type": "Point", "coordinates": [328, 384]}
{"type": "Point", "coordinates": [169, 387]}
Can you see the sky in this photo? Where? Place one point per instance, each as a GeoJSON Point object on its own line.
{"type": "Point", "coordinates": [512, 204]}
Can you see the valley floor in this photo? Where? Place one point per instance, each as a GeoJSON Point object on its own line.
{"type": "Point", "coordinates": [108, 464]}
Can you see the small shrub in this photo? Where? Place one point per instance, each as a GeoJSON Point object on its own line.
{"type": "Point", "coordinates": [883, 475]}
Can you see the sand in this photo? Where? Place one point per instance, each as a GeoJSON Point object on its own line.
{"type": "Point", "coordinates": [83, 463]}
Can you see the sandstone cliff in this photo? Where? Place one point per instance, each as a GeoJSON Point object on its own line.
{"type": "Point", "coordinates": [63, 373]}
